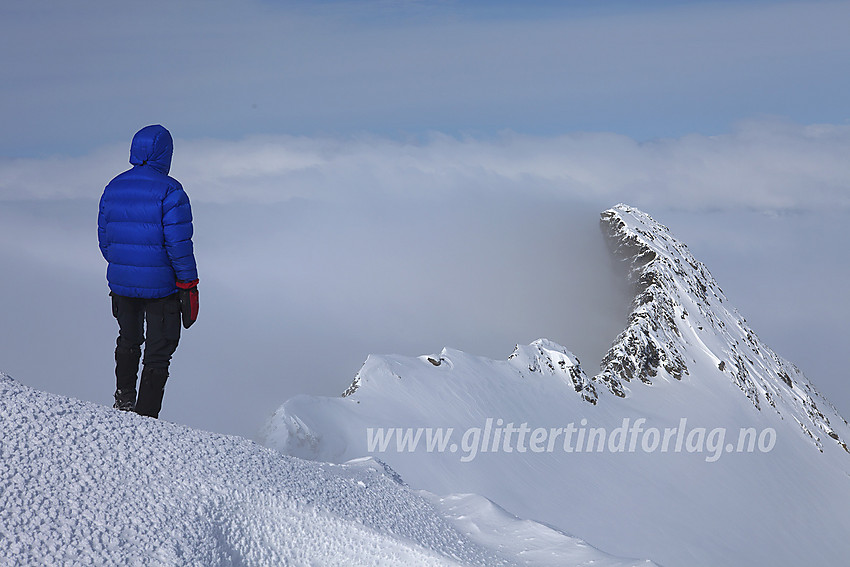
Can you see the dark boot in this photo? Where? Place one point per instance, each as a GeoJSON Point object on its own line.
{"type": "Point", "coordinates": [151, 390]}
{"type": "Point", "coordinates": [125, 401]}
{"type": "Point", "coordinates": [126, 373]}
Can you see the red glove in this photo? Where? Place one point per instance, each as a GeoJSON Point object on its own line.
{"type": "Point", "coordinates": [188, 302]}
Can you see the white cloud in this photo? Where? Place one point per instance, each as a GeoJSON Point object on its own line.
{"type": "Point", "coordinates": [764, 165]}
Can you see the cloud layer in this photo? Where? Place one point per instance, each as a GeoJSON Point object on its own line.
{"type": "Point", "coordinates": [762, 165]}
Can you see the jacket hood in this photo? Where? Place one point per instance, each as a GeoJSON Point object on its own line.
{"type": "Point", "coordinates": [153, 146]}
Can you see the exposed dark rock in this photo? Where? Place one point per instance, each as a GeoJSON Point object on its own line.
{"type": "Point", "coordinates": [353, 387]}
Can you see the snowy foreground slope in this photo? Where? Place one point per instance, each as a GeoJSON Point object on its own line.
{"type": "Point", "coordinates": [82, 484]}
{"type": "Point", "coordinates": [695, 444]}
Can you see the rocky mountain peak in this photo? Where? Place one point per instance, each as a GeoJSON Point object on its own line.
{"type": "Point", "coordinates": [678, 309]}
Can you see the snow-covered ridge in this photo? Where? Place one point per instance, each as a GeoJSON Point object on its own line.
{"type": "Point", "coordinates": [541, 357]}
{"type": "Point", "coordinates": [679, 306]}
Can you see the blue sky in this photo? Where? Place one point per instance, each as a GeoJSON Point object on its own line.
{"type": "Point", "coordinates": [85, 74]}
{"type": "Point", "coordinates": [398, 177]}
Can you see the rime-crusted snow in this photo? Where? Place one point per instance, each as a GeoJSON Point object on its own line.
{"type": "Point", "coordinates": [686, 361]}
{"type": "Point", "coordinates": [82, 484]}
{"type": "Point", "coordinates": [679, 307]}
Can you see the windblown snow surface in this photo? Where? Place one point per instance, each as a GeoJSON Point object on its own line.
{"type": "Point", "coordinates": [82, 484]}
{"type": "Point", "coordinates": [695, 444]}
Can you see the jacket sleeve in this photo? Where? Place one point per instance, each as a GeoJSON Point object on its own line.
{"type": "Point", "coordinates": [101, 230]}
{"type": "Point", "coordinates": [177, 232]}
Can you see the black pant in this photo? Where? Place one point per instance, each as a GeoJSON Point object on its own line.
{"type": "Point", "coordinates": [156, 323]}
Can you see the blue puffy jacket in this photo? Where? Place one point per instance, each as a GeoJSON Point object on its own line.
{"type": "Point", "coordinates": [144, 226]}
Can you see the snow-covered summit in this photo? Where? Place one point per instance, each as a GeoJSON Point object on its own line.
{"type": "Point", "coordinates": [678, 308]}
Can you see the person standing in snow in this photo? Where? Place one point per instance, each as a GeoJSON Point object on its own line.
{"type": "Point", "coordinates": [144, 229]}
